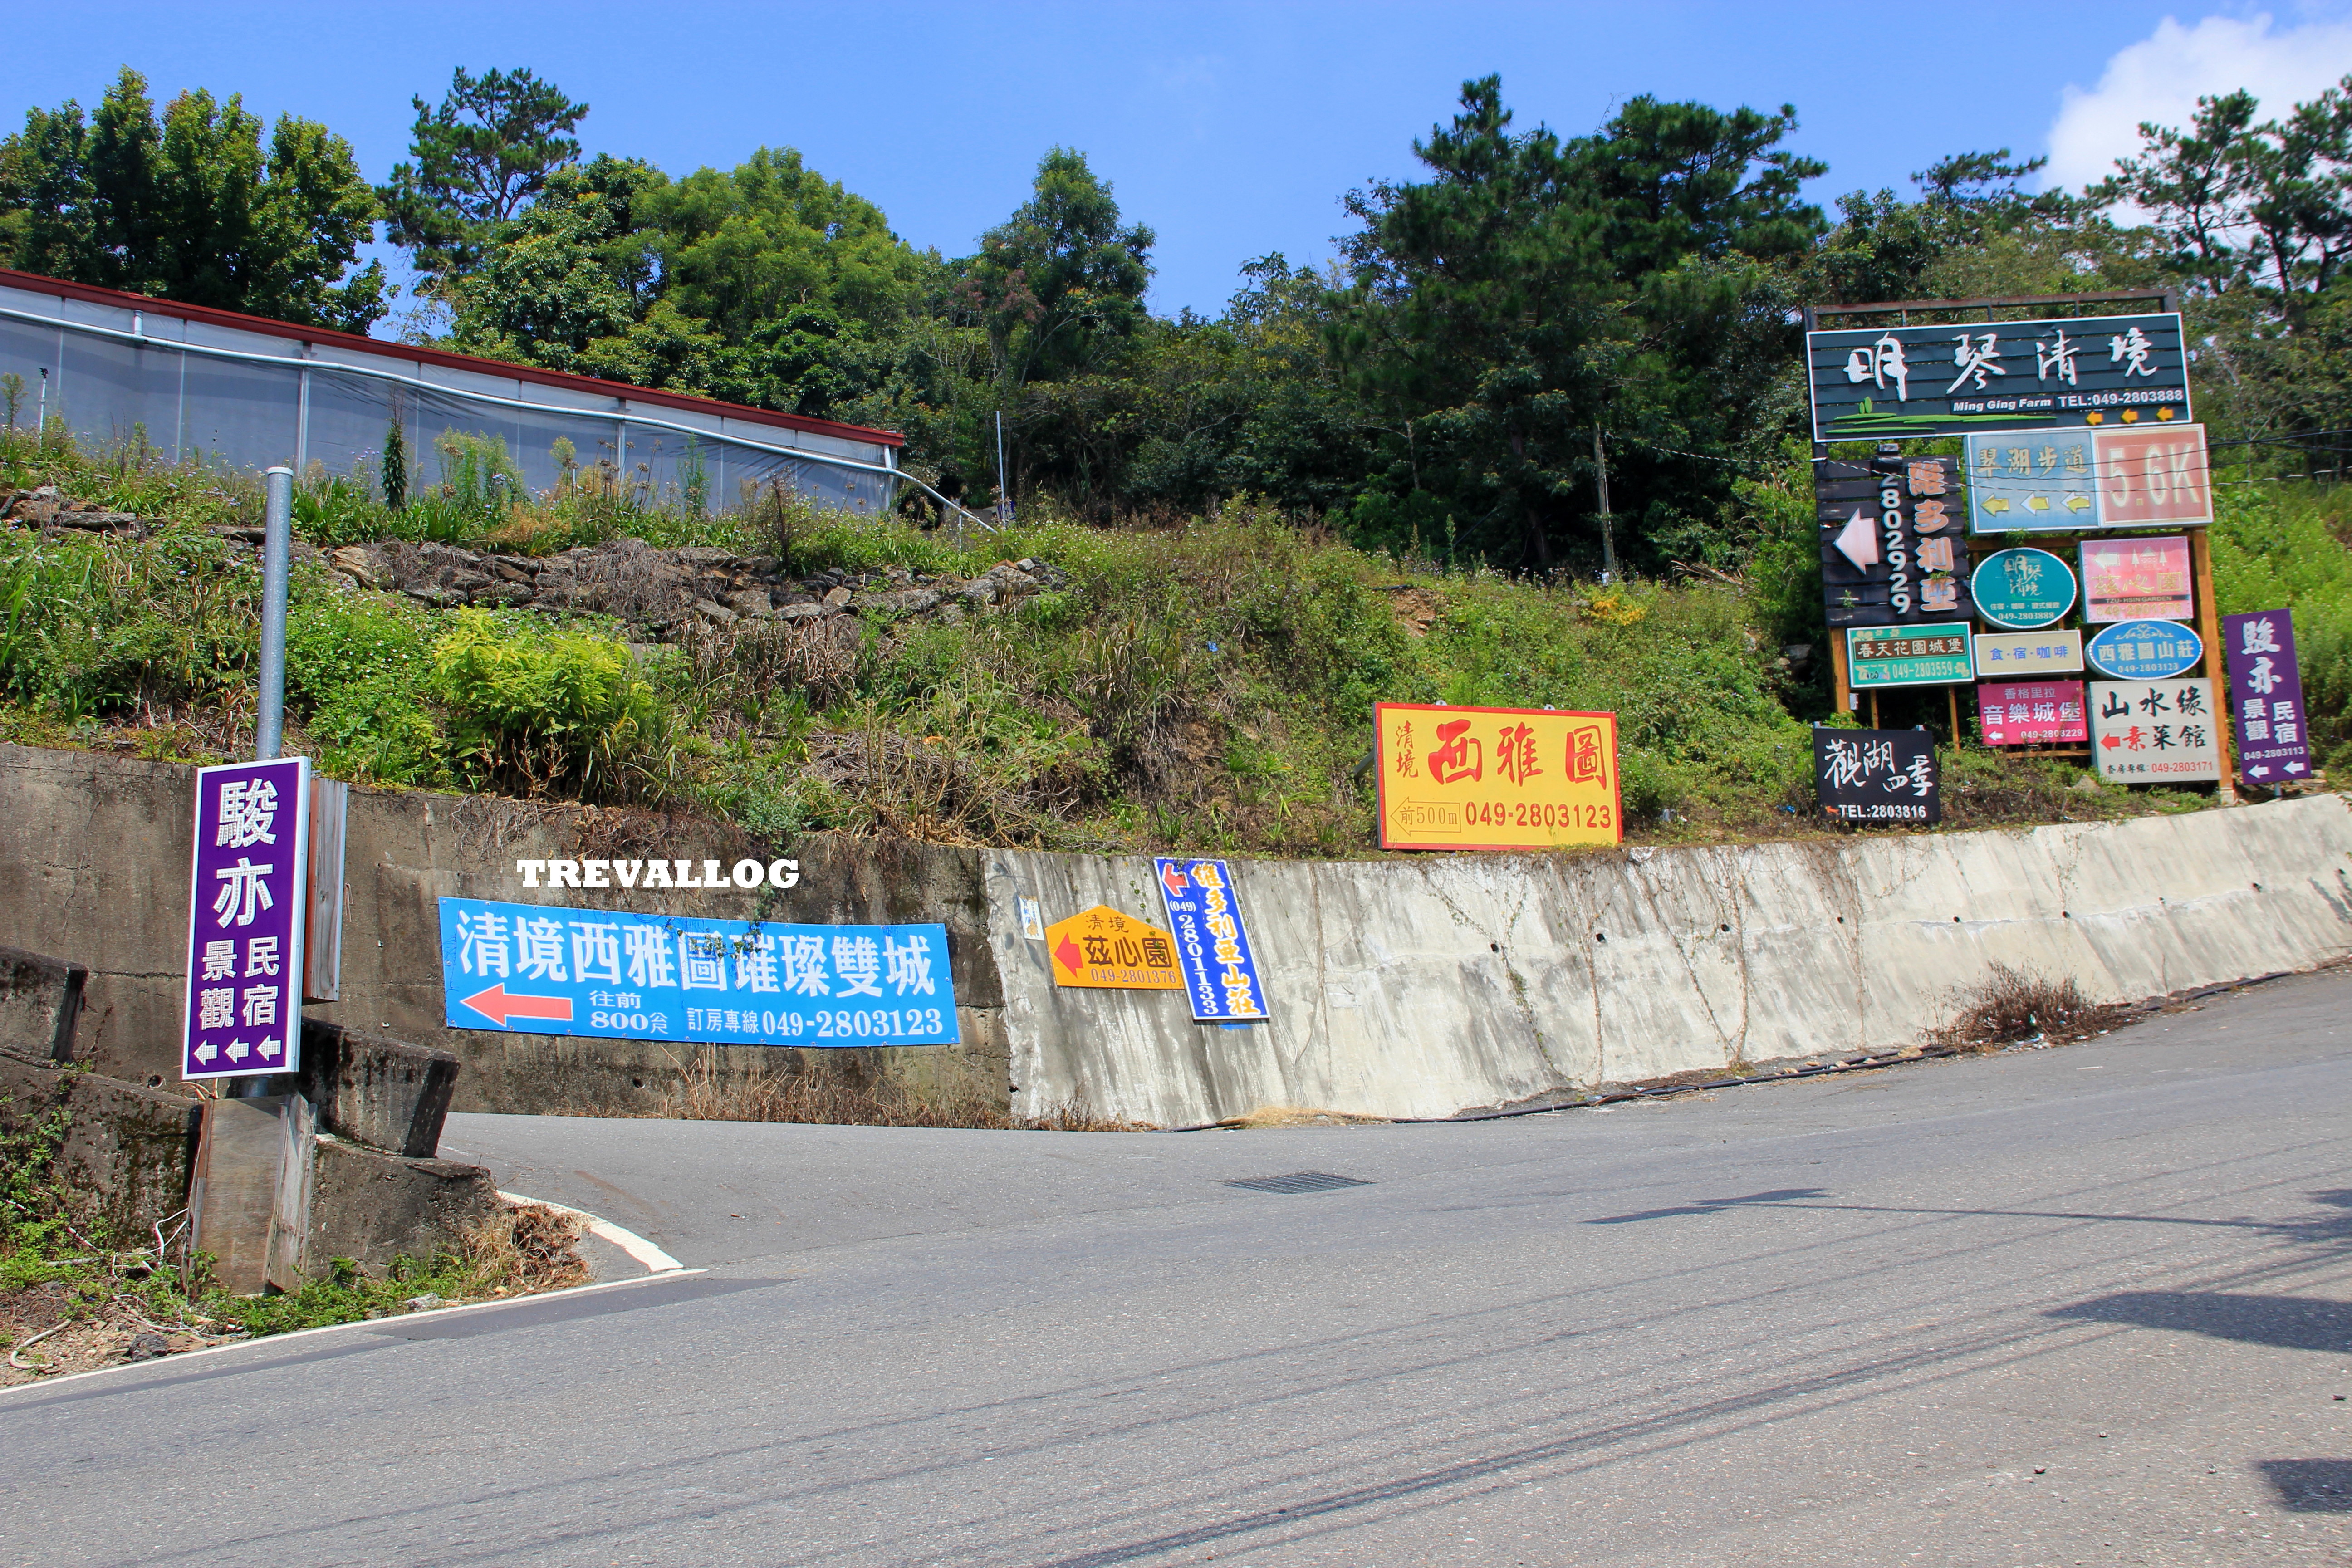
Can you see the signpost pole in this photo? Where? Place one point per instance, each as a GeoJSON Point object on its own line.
{"type": "Point", "coordinates": [276, 550]}
{"type": "Point", "coordinates": [1838, 669]}
{"type": "Point", "coordinates": [1608, 525]}
{"type": "Point", "coordinates": [1952, 695]}
{"type": "Point", "coordinates": [2208, 627]}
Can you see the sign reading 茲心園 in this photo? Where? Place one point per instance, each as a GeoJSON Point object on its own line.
{"type": "Point", "coordinates": [1887, 533]}
{"type": "Point", "coordinates": [2145, 650]}
{"type": "Point", "coordinates": [1104, 949]}
{"type": "Point", "coordinates": [542, 970]}
{"type": "Point", "coordinates": [2054, 650]}
{"type": "Point", "coordinates": [2161, 732]}
{"type": "Point", "coordinates": [1212, 945]}
{"type": "Point", "coordinates": [1894, 383]}
{"type": "Point", "coordinates": [247, 900]}
{"type": "Point", "coordinates": [2023, 588]}
{"type": "Point", "coordinates": [1494, 778]}
{"type": "Point", "coordinates": [2266, 698]}
{"type": "Point", "coordinates": [2128, 579]}
{"type": "Point", "coordinates": [1877, 776]}
{"type": "Point", "coordinates": [1908, 656]}
{"type": "Point", "coordinates": [2030, 712]}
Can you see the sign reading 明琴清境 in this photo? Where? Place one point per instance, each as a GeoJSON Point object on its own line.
{"type": "Point", "coordinates": [1898, 382]}
{"type": "Point", "coordinates": [246, 902]}
{"type": "Point", "coordinates": [540, 970]}
{"type": "Point", "coordinates": [1213, 943]}
{"type": "Point", "coordinates": [2156, 732]}
{"type": "Point", "coordinates": [1884, 776]}
{"type": "Point", "coordinates": [1494, 778]}
{"type": "Point", "coordinates": [2266, 698]}
{"type": "Point", "coordinates": [1908, 656]}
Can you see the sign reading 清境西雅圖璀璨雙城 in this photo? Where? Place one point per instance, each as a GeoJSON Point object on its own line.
{"type": "Point", "coordinates": [1212, 942]}
{"type": "Point", "coordinates": [2156, 732]}
{"type": "Point", "coordinates": [1886, 777]}
{"type": "Point", "coordinates": [247, 904]}
{"type": "Point", "coordinates": [1494, 778]}
{"type": "Point", "coordinates": [2266, 698]}
{"type": "Point", "coordinates": [1889, 529]}
{"type": "Point", "coordinates": [1908, 656]}
{"type": "Point", "coordinates": [1898, 383]}
{"type": "Point", "coordinates": [542, 970]}
{"type": "Point", "coordinates": [2030, 712]}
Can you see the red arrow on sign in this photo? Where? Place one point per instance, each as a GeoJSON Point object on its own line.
{"type": "Point", "coordinates": [496, 1006]}
{"type": "Point", "coordinates": [1072, 959]}
{"type": "Point", "coordinates": [1175, 882]}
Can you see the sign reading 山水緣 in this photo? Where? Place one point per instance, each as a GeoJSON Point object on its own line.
{"type": "Point", "coordinates": [2156, 732]}
{"type": "Point", "coordinates": [1897, 383]}
{"type": "Point", "coordinates": [247, 900]}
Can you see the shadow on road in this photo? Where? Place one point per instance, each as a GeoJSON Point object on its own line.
{"type": "Point", "coordinates": [2287, 1322]}
{"type": "Point", "coordinates": [1715, 1206]}
{"type": "Point", "coordinates": [2311, 1486]}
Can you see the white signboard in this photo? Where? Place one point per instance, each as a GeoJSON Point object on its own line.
{"type": "Point", "coordinates": [2028, 655]}
{"type": "Point", "coordinates": [2156, 732]}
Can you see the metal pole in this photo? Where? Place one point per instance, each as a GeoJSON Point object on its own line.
{"type": "Point", "coordinates": [276, 549]}
{"type": "Point", "coordinates": [1004, 495]}
{"type": "Point", "coordinates": [1608, 526]}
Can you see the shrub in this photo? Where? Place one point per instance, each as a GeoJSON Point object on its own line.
{"type": "Point", "coordinates": [531, 708]}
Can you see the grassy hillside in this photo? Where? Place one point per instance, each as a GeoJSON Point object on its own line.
{"type": "Point", "coordinates": [1204, 687]}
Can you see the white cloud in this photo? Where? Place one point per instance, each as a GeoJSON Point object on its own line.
{"type": "Point", "coordinates": [2160, 78]}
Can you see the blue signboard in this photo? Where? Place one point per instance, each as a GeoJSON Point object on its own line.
{"type": "Point", "coordinates": [2033, 482]}
{"type": "Point", "coordinates": [1213, 946]}
{"type": "Point", "coordinates": [2022, 588]}
{"type": "Point", "coordinates": [2145, 650]}
{"type": "Point", "coordinates": [533, 969]}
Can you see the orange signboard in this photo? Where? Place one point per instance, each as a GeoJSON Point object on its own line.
{"type": "Point", "coordinates": [1103, 948]}
{"type": "Point", "coordinates": [2152, 474]}
{"type": "Point", "coordinates": [1496, 778]}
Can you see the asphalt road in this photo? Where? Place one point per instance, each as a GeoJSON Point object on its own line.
{"type": "Point", "coordinates": [2079, 1306]}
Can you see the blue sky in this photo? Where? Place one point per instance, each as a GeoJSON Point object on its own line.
{"type": "Point", "coordinates": [1232, 129]}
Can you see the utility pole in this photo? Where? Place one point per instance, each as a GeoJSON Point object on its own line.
{"type": "Point", "coordinates": [277, 551]}
{"type": "Point", "coordinates": [1608, 524]}
{"type": "Point", "coordinates": [1004, 494]}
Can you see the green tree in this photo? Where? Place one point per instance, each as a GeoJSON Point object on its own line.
{"type": "Point", "coordinates": [1060, 284]}
{"type": "Point", "coordinates": [193, 207]}
{"type": "Point", "coordinates": [480, 156]}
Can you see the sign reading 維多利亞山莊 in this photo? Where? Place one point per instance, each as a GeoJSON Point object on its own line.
{"type": "Point", "coordinates": [1104, 949]}
{"type": "Point", "coordinates": [1214, 952]}
{"type": "Point", "coordinates": [2030, 712]}
{"type": "Point", "coordinates": [1889, 531]}
{"type": "Point", "coordinates": [1882, 776]}
{"type": "Point", "coordinates": [246, 902]}
{"type": "Point", "coordinates": [1494, 778]}
{"type": "Point", "coordinates": [1908, 656]}
{"type": "Point", "coordinates": [2156, 732]}
{"type": "Point", "coordinates": [2266, 698]}
{"type": "Point", "coordinates": [542, 970]}
{"type": "Point", "coordinates": [1898, 383]}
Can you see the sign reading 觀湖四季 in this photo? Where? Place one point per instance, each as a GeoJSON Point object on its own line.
{"type": "Point", "coordinates": [2023, 589]}
{"type": "Point", "coordinates": [1494, 778]}
{"type": "Point", "coordinates": [2266, 698]}
{"type": "Point", "coordinates": [540, 970]}
{"type": "Point", "coordinates": [1104, 949]}
{"type": "Point", "coordinates": [2160, 731]}
{"type": "Point", "coordinates": [1212, 944]}
{"type": "Point", "coordinates": [1908, 656]}
{"type": "Point", "coordinates": [1887, 533]}
{"type": "Point", "coordinates": [2125, 579]}
{"type": "Point", "coordinates": [1893, 383]}
{"type": "Point", "coordinates": [2145, 650]}
{"type": "Point", "coordinates": [1877, 776]}
{"type": "Point", "coordinates": [2053, 650]}
{"type": "Point", "coordinates": [2030, 712]}
{"type": "Point", "coordinates": [247, 900]}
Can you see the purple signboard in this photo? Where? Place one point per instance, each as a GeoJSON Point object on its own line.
{"type": "Point", "coordinates": [245, 920]}
{"type": "Point", "coordinates": [2266, 698]}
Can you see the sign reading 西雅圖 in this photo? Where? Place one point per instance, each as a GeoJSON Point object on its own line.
{"type": "Point", "coordinates": [1889, 533]}
{"type": "Point", "coordinates": [1884, 776]}
{"type": "Point", "coordinates": [2156, 732]}
{"type": "Point", "coordinates": [1212, 944]}
{"type": "Point", "coordinates": [2266, 698]}
{"type": "Point", "coordinates": [246, 902]}
{"type": "Point", "coordinates": [2030, 712]}
{"type": "Point", "coordinates": [1104, 949]}
{"type": "Point", "coordinates": [2019, 656]}
{"type": "Point", "coordinates": [542, 970]}
{"type": "Point", "coordinates": [1897, 383]}
{"type": "Point", "coordinates": [1494, 778]}
{"type": "Point", "coordinates": [2125, 579]}
{"type": "Point", "coordinates": [1908, 656]}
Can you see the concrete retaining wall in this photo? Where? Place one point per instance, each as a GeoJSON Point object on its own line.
{"type": "Point", "coordinates": [1425, 987]}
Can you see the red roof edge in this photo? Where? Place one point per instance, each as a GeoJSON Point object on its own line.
{"type": "Point", "coordinates": [33, 282]}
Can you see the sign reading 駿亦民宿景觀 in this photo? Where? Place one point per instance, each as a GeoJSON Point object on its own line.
{"type": "Point", "coordinates": [246, 902]}
{"type": "Point", "coordinates": [1889, 531]}
{"type": "Point", "coordinates": [1494, 778]}
{"type": "Point", "coordinates": [2156, 732]}
{"type": "Point", "coordinates": [1213, 943]}
{"type": "Point", "coordinates": [1908, 656]}
{"type": "Point", "coordinates": [2266, 698]}
{"type": "Point", "coordinates": [1898, 382]}
{"type": "Point", "coordinates": [542, 970]}
{"type": "Point", "coordinates": [1882, 776]}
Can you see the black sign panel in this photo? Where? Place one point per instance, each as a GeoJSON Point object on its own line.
{"type": "Point", "coordinates": [1898, 383]}
{"type": "Point", "coordinates": [1892, 549]}
{"type": "Point", "coordinates": [1886, 777]}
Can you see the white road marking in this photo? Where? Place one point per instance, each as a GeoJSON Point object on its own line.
{"type": "Point", "coordinates": [653, 1258]}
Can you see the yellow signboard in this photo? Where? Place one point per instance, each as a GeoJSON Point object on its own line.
{"type": "Point", "coordinates": [1496, 778]}
{"type": "Point", "coordinates": [1101, 947]}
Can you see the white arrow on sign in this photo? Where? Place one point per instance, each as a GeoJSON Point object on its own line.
{"type": "Point", "coordinates": [2295, 767]}
{"type": "Point", "coordinates": [1859, 540]}
{"type": "Point", "coordinates": [206, 1052]}
{"type": "Point", "coordinates": [2258, 772]}
{"type": "Point", "coordinates": [238, 1051]}
{"type": "Point", "coordinates": [268, 1048]}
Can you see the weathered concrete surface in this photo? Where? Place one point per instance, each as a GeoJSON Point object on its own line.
{"type": "Point", "coordinates": [128, 1150]}
{"type": "Point", "coordinates": [94, 859]}
{"type": "Point", "coordinates": [40, 1003]}
{"type": "Point", "coordinates": [371, 1207]}
{"type": "Point", "coordinates": [377, 1091]}
{"type": "Point", "coordinates": [1425, 987]}
{"type": "Point", "coordinates": [245, 1154]}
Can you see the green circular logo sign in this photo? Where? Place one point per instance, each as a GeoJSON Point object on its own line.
{"type": "Point", "coordinates": [2022, 589]}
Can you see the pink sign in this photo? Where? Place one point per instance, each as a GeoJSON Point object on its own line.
{"type": "Point", "coordinates": [2136, 579]}
{"type": "Point", "coordinates": [2030, 712]}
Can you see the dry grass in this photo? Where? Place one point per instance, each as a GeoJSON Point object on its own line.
{"type": "Point", "coordinates": [1300, 1116]}
{"type": "Point", "coordinates": [702, 1092]}
{"type": "Point", "coordinates": [525, 1249]}
{"type": "Point", "coordinates": [2009, 1005]}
